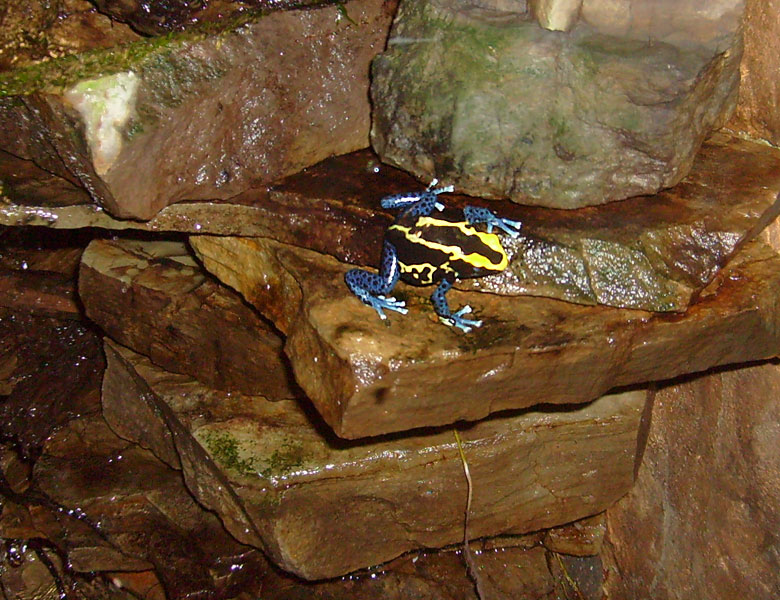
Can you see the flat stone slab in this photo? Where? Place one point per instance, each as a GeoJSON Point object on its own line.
{"type": "Point", "coordinates": [281, 481]}
{"type": "Point", "coordinates": [368, 377]}
{"type": "Point", "coordinates": [652, 253]}
{"type": "Point", "coordinates": [153, 297]}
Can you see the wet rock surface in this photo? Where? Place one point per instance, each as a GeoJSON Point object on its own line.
{"type": "Point", "coordinates": [40, 393]}
{"type": "Point", "coordinates": [32, 31]}
{"type": "Point", "coordinates": [368, 376]}
{"type": "Point", "coordinates": [707, 500]}
{"type": "Point", "coordinates": [154, 17]}
{"type": "Point", "coordinates": [91, 515]}
{"type": "Point", "coordinates": [152, 296]}
{"type": "Point", "coordinates": [594, 117]}
{"type": "Point", "coordinates": [652, 253]}
{"type": "Point", "coordinates": [196, 116]}
{"type": "Point", "coordinates": [280, 481]}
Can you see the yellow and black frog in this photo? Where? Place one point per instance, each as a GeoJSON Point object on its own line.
{"type": "Point", "coordinates": [421, 249]}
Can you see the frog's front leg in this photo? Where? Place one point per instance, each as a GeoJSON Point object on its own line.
{"type": "Point", "coordinates": [442, 309]}
{"type": "Point", "coordinates": [418, 204]}
{"type": "Point", "coordinates": [372, 288]}
{"type": "Point", "coordinates": [477, 214]}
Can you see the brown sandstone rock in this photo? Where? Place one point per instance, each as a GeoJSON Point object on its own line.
{"type": "Point", "coordinates": [194, 117]}
{"type": "Point", "coordinates": [154, 17]}
{"type": "Point", "coordinates": [41, 293]}
{"type": "Point", "coordinates": [581, 538]}
{"type": "Point", "coordinates": [703, 520]}
{"type": "Point", "coordinates": [706, 500]}
{"type": "Point", "coordinates": [153, 297]}
{"type": "Point", "coordinates": [126, 511]}
{"type": "Point", "coordinates": [32, 31]}
{"type": "Point", "coordinates": [593, 117]}
{"type": "Point", "coordinates": [49, 371]}
{"type": "Point", "coordinates": [293, 485]}
{"type": "Point", "coordinates": [368, 376]}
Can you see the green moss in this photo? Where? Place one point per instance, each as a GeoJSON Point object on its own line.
{"type": "Point", "coordinates": [285, 459]}
{"type": "Point", "coordinates": [57, 74]}
{"type": "Point", "coordinates": [224, 448]}
{"type": "Point", "coordinates": [288, 456]}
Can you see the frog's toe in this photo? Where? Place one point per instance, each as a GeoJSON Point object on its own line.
{"type": "Point", "coordinates": [380, 304]}
{"type": "Point", "coordinates": [508, 226]}
{"type": "Point", "coordinates": [456, 320]}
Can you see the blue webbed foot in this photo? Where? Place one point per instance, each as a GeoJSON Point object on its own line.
{"type": "Point", "coordinates": [361, 283]}
{"type": "Point", "coordinates": [380, 303]}
{"type": "Point", "coordinates": [456, 320]}
{"type": "Point", "coordinates": [442, 309]}
{"type": "Point", "coordinates": [477, 214]}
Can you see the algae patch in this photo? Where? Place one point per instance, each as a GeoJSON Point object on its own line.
{"type": "Point", "coordinates": [245, 458]}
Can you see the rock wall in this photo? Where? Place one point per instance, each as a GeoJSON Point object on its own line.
{"type": "Point", "coordinates": [759, 94]}
{"type": "Point", "coordinates": [706, 504]}
{"type": "Point", "coordinates": [703, 519]}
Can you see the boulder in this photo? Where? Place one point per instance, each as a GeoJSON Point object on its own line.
{"type": "Point", "coordinates": [367, 376]}
{"type": "Point", "coordinates": [280, 481]}
{"type": "Point", "coordinates": [195, 115]}
{"type": "Point", "coordinates": [502, 108]}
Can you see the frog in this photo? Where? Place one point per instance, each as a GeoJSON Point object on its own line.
{"type": "Point", "coordinates": [423, 248]}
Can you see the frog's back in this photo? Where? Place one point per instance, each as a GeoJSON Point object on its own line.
{"type": "Point", "coordinates": [429, 248]}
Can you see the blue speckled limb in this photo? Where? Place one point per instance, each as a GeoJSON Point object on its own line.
{"type": "Point", "coordinates": [477, 214]}
{"type": "Point", "coordinates": [442, 309]}
{"type": "Point", "coordinates": [419, 204]}
{"type": "Point", "coordinates": [372, 288]}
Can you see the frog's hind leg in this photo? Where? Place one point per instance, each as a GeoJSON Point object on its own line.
{"type": "Point", "coordinates": [372, 288]}
{"type": "Point", "coordinates": [442, 308]}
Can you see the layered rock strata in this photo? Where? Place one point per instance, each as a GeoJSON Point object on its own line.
{"type": "Point", "coordinates": [652, 253]}
{"type": "Point", "coordinates": [367, 376]}
{"type": "Point", "coordinates": [280, 481]}
{"type": "Point", "coordinates": [596, 114]}
{"type": "Point", "coordinates": [759, 90]}
{"type": "Point", "coordinates": [196, 116]}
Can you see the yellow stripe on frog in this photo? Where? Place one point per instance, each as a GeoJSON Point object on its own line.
{"type": "Point", "coordinates": [491, 240]}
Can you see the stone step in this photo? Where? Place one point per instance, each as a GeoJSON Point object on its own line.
{"type": "Point", "coordinates": [652, 253]}
{"type": "Point", "coordinates": [282, 482]}
{"type": "Point", "coordinates": [368, 377]}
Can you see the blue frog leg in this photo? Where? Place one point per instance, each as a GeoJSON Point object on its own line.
{"type": "Point", "coordinates": [418, 203]}
{"type": "Point", "coordinates": [477, 214]}
{"type": "Point", "coordinates": [372, 288]}
{"type": "Point", "coordinates": [442, 308]}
